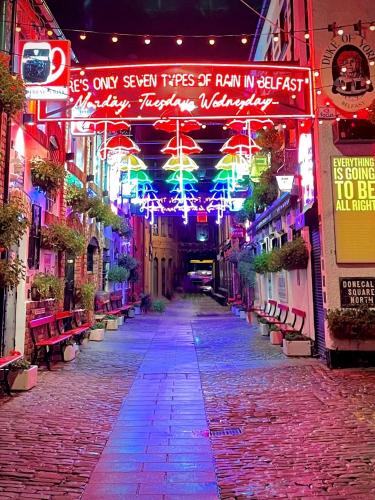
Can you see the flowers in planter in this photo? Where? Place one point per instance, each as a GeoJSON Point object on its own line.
{"type": "Point", "coordinates": [12, 89]}
{"type": "Point", "coordinates": [99, 326]}
{"type": "Point", "coordinates": [294, 255]}
{"type": "Point", "coordinates": [126, 261]}
{"type": "Point", "coordinates": [12, 272]}
{"type": "Point", "coordinates": [61, 238]}
{"type": "Point", "coordinates": [352, 323]}
{"type": "Point", "coordinates": [47, 175]}
{"type": "Point", "coordinates": [77, 198]}
{"type": "Point", "coordinates": [158, 306]}
{"type": "Point", "coordinates": [13, 225]}
{"type": "Point", "coordinates": [261, 263]}
{"type": "Point", "coordinates": [48, 286]}
{"type": "Point", "coordinates": [20, 364]}
{"type": "Point", "coordinates": [118, 274]}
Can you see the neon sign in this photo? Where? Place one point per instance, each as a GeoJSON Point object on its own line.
{"type": "Point", "coordinates": [144, 92]}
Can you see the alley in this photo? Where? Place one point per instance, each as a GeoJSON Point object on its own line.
{"type": "Point", "coordinates": [190, 403]}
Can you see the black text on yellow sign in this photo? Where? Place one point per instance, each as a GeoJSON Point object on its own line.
{"type": "Point", "coordinates": [353, 181]}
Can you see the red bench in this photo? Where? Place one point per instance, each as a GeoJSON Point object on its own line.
{"type": "Point", "coordinates": [297, 323]}
{"type": "Point", "coordinates": [44, 340]}
{"type": "Point", "coordinates": [5, 366]}
{"type": "Point", "coordinates": [237, 300]}
{"type": "Point", "coordinates": [103, 306]}
{"type": "Point", "coordinates": [64, 324]}
{"type": "Point", "coordinates": [269, 310]}
{"type": "Point", "coordinates": [116, 303]}
{"type": "Point", "coordinates": [281, 316]}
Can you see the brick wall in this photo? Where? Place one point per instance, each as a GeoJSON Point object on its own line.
{"type": "Point", "coordinates": [36, 309]}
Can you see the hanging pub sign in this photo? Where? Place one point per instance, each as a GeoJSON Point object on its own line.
{"type": "Point", "coordinates": [348, 72]}
{"type": "Point", "coordinates": [45, 68]}
{"type": "Point", "coordinates": [353, 184]}
{"type": "Point", "coordinates": [355, 292]}
{"type": "Point", "coordinates": [146, 92]}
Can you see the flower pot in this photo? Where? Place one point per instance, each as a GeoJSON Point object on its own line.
{"type": "Point", "coordinates": [276, 337]}
{"type": "Point", "coordinates": [85, 343]}
{"type": "Point", "coordinates": [243, 314]}
{"type": "Point", "coordinates": [264, 329]}
{"type": "Point", "coordinates": [137, 310]}
{"type": "Point", "coordinates": [97, 335]}
{"type": "Point", "coordinates": [99, 317]}
{"type": "Point", "coordinates": [111, 324]}
{"type": "Point", "coordinates": [23, 380]}
{"type": "Point", "coordinates": [120, 320]}
{"type": "Point", "coordinates": [131, 313]}
{"type": "Point", "coordinates": [69, 352]}
{"type": "Point", "coordinates": [297, 347]}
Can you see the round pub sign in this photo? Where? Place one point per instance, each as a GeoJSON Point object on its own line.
{"type": "Point", "coordinates": [348, 72]}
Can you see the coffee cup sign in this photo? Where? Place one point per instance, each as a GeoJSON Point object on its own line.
{"type": "Point", "coordinates": [45, 68]}
{"type": "Point", "coordinates": [348, 72]}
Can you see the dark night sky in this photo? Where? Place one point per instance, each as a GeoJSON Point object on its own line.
{"type": "Point", "coordinates": [172, 17]}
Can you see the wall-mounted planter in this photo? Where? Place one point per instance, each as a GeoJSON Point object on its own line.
{"type": "Point", "coordinates": [276, 337]}
{"type": "Point", "coordinates": [297, 347]}
{"type": "Point", "coordinates": [24, 380]}
{"type": "Point", "coordinates": [97, 335]}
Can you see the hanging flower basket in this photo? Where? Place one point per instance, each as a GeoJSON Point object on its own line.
{"type": "Point", "coordinates": [12, 89]}
{"type": "Point", "coordinates": [12, 272]}
{"type": "Point", "coordinates": [61, 238]}
{"type": "Point", "coordinates": [13, 225]}
{"type": "Point", "coordinates": [47, 175]}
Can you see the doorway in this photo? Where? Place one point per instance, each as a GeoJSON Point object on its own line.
{"type": "Point", "coordinates": [69, 283]}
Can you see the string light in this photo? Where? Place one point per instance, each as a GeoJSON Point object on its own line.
{"type": "Point", "coordinates": [355, 116]}
{"type": "Point", "coordinates": [371, 63]}
{"type": "Point", "coordinates": [82, 72]}
{"type": "Point", "coordinates": [316, 73]}
{"type": "Point", "coordinates": [147, 41]}
{"type": "Point", "coordinates": [320, 122]}
{"type": "Point", "coordinates": [276, 37]}
{"type": "Point", "coordinates": [49, 32]}
{"type": "Point", "coordinates": [372, 27]}
{"type": "Point", "coordinates": [114, 39]}
{"type": "Point", "coordinates": [338, 119]}
{"type": "Point", "coordinates": [18, 28]}
{"type": "Point", "coordinates": [344, 70]}
{"type": "Point", "coordinates": [294, 96]}
{"type": "Point", "coordinates": [318, 91]}
{"type": "Point", "coordinates": [211, 41]}
{"type": "Point", "coordinates": [340, 31]}
{"type": "Point", "coordinates": [83, 36]}
{"type": "Point", "coordinates": [368, 82]}
{"type": "Point", "coordinates": [307, 36]}
{"type": "Point", "coordinates": [179, 41]}
{"type": "Point", "coordinates": [244, 40]}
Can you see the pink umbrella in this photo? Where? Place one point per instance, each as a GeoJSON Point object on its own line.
{"type": "Point", "coordinates": [187, 145]}
{"type": "Point", "coordinates": [240, 144]}
{"type": "Point", "coordinates": [110, 127]}
{"type": "Point", "coordinates": [183, 119]}
{"type": "Point", "coordinates": [119, 144]}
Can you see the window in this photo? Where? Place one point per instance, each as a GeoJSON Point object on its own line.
{"type": "Point", "coordinates": [284, 239]}
{"type": "Point", "coordinates": [163, 226]}
{"type": "Point", "coordinates": [170, 227]}
{"type": "Point", "coordinates": [352, 131]}
{"type": "Point", "coordinates": [155, 228]}
{"type": "Point", "coordinates": [34, 237]}
{"type": "Point", "coordinates": [92, 247]}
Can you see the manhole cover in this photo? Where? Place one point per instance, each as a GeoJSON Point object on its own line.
{"type": "Point", "coordinates": [226, 432]}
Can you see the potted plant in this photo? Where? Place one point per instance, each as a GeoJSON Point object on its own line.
{"type": "Point", "coordinates": [264, 331]}
{"type": "Point", "coordinates": [127, 261]}
{"type": "Point", "coordinates": [294, 255]}
{"type": "Point", "coordinates": [111, 322]}
{"type": "Point", "coordinates": [47, 175]}
{"type": "Point", "coordinates": [70, 350]}
{"type": "Point", "coordinates": [158, 306]}
{"type": "Point", "coordinates": [77, 198]}
{"type": "Point", "coordinates": [12, 271]}
{"type": "Point", "coordinates": [87, 296]}
{"type": "Point", "coordinates": [295, 344]}
{"type": "Point", "coordinates": [117, 274]}
{"type": "Point", "coordinates": [13, 225]}
{"type": "Point", "coordinates": [13, 92]}
{"type": "Point", "coordinates": [276, 336]}
{"type": "Point", "coordinates": [23, 375]}
{"type": "Point", "coordinates": [61, 238]}
{"type": "Point", "coordinates": [47, 286]}
{"type": "Point", "coordinates": [97, 332]}
{"type": "Point", "coordinates": [352, 323]}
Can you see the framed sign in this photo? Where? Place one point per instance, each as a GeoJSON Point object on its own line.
{"type": "Point", "coordinates": [353, 184]}
{"type": "Point", "coordinates": [45, 68]}
{"type": "Point", "coordinates": [143, 92]}
{"type": "Point", "coordinates": [355, 292]}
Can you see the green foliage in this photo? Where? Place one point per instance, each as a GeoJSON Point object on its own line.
{"type": "Point", "coordinates": [246, 255]}
{"type": "Point", "coordinates": [295, 336]}
{"type": "Point", "coordinates": [270, 139]}
{"type": "Point", "coordinates": [123, 229]}
{"type": "Point", "coordinates": [61, 238]}
{"type": "Point", "coordinates": [158, 306]}
{"type": "Point", "coordinates": [98, 326]}
{"type": "Point", "coordinates": [46, 174]}
{"type": "Point", "coordinates": [260, 263]}
{"type": "Point", "coordinates": [274, 261]}
{"type": "Point", "coordinates": [111, 317]}
{"type": "Point", "coordinates": [249, 208]}
{"type": "Point", "coordinates": [13, 225]}
{"type": "Point", "coordinates": [103, 213]}
{"type": "Point", "coordinates": [11, 273]}
{"type": "Point", "coordinates": [20, 364]}
{"type": "Point", "coordinates": [118, 274]}
{"type": "Point", "coordinates": [294, 255]}
{"type": "Point", "coordinates": [87, 293]}
{"type": "Point", "coordinates": [128, 262]}
{"type": "Point", "coordinates": [266, 191]}
{"type": "Point", "coordinates": [77, 198]}
{"type": "Point", "coordinates": [49, 286]}
{"type": "Point", "coordinates": [12, 89]}
{"type": "Point", "coordinates": [352, 323]}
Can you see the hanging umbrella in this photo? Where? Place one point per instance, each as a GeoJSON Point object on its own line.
{"type": "Point", "coordinates": [186, 145]}
{"type": "Point", "coordinates": [183, 162]}
{"type": "Point", "coordinates": [187, 177]}
{"type": "Point", "coordinates": [240, 124]}
{"type": "Point", "coordinates": [118, 144]}
{"type": "Point", "coordinates": [132, 162]}
{"type": "Point", "coordinates": [109, 127]}
{"type": "Point", "coordinates": [240, 144]}
{"type": "Point", "coordinates": [174, 117]}
{"type": "Point", "coordinates": [230, 162]}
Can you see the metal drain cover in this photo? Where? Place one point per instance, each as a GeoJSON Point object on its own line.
{"type": "Point", "coordinates": [226, 432]}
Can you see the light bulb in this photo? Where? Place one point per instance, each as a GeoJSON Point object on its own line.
{"type": "Point", "coordinates": [340, 31]}
{"type": "Point", "coordinates": [211, 41]}
{"type": "Point", "coordinates": [179, 41]}
{"type": "Point", "coordinates": [82, 72]}
{"type": "Point", "coordinates": [147, 41]}
{"type": "Point", "coordinates": [244, 40]}
{"type": "Point", "coordinates": [114, 39]}
{"type": "Point", "coordinates": [307, 36]}
{"type": "Point", "coordinates": [18, 28]}
{"type": "Point", "coordinates": [49, 32]}
{"type": "Point", "coordinates": [276, 37]}
{"type": "Point", "coordinates": [316, 73]}
{"type": "Point", "coordinates": [372, 27]}
{"type": "Point", "coordinates": [83, 36]}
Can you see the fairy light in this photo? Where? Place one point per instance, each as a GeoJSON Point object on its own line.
{"type": "Point", "coordinates": [276, 37]}
{"type": "Point", "coordinates": [344, 70]}
{"type": "Point", "coordinates": [82, 72]}
{"type": "Point", "coordinates": [211, 41]}
{"type": "Point", "coordinates": [372, 27]}
{"type": "Point", "coordinates": [320, 122]}
{"type": "Point", "coordinates": [368, 82]}
{"type": "Point", "coordinates": [371, 63]}
{"type": "Point", "coordinates": [307, 36]}
{"type": "Point", "coordinates": [294, 96]}
{"type": "Point", "coordinates": [316, 73]}
{"type": "Point", "coordinates": [318, 91]}
{"type": "Point", "coordinates": [355, 115]}
{"type": "Point", "coordinates": [18, 28]}
{"type": "Point", "coordinates": [179, 41]}
{"type": "Point", "coordinates": [83, 36]}
{"type": "Point", "coordinates": [340, 31]}
{"type": "Point", "coordinates": [244, 40]}
{"type": "Point", "coordinates": [49, 32]}
{"type": "Point", "coordinates": [147, 41]}
{"type": "Point", "coordinates": [338, 119]}
{"type": "Point", "coordinates": [114, 39]}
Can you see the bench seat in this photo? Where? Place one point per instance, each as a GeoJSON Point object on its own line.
{"type": "Point", "coordinates": [53, 340]}
{"type": "Point", "coordinates": [5, 366]}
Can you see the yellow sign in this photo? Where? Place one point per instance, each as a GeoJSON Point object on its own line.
{"type": "Point", "coordinates": [353, 181]}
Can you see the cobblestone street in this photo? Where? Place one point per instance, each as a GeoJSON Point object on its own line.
{"type": "Point", "coordinates": [193, 403]}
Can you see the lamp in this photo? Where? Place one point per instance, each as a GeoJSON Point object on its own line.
{"type": "Point", "coordinates": [69, 156]}
{"type": "Point", "coordinates": [28, 119]}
